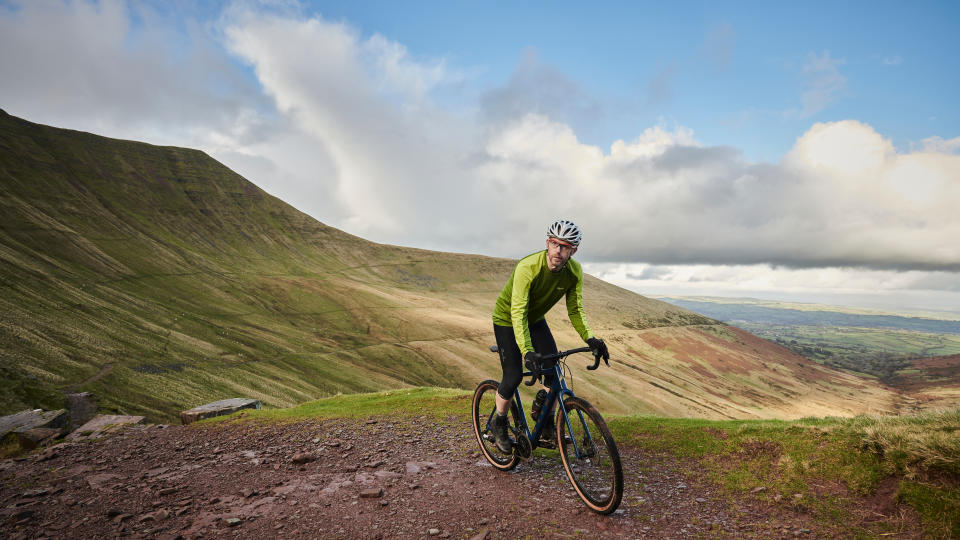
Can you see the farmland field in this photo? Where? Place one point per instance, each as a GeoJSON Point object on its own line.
{"type": "Point", "coordinates": [871, 343]}
{"type": "Point", "coordinates": [878, 352]}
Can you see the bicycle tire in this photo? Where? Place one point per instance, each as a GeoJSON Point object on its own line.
{"type": "Point", "coordinates": [484, 403]}
{"type": "Point", "coordinates": [597, 475]}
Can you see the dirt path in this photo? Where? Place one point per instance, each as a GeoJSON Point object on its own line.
{"type": "Point", "coordinates": [104, 371]}
{"type": "Point", "coordinates": [379, 478]}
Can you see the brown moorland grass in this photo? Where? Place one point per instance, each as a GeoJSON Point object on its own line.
{"type": "Point", "coordinates": [196, 285]}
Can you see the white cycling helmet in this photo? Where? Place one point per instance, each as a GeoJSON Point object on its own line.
{"type": "Point", "coordinates": [565, 231]}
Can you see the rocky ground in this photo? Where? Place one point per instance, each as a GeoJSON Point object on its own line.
{"type": "Point", "coordinates": [376, 478]}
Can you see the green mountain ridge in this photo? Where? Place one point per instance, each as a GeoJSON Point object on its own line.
{"type": "Point", "coordinates": [159, 279]}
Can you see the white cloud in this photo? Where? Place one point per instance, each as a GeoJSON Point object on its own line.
{"type": "Point", "coordinates": [537, 88]}
{"type": "Point", "coordinates": [886, 289]}
{"type": "Point", "coordinates": [843, 196]}
{"type": "Point", "coordinates": [939, 145]}
{"type": "Point", "coordinates": [348, 128]}
{"type": "Point", "coordinates": [394, 158]}
{"type": "Point", "coordinates": [86, 65]}
{"type": "Point", "coordinates": [654, 141]}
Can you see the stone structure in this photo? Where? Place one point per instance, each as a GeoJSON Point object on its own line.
{"type": "Point", "coordinates": [36, 418]}
{"type": "Point", "coordinates": [83, 407]}
{"type": "Point", "coordinates": [103, 423]}
{"type": "Point", "coordinates": [218, 408]}
{"type": "Point", "coordinates": [32, 438]}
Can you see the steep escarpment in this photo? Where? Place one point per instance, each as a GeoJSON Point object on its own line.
{"type": "Point", "coordinates": [159, 279]}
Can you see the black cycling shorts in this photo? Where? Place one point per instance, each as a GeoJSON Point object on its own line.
{"type": "Point", "coordinates": [512, 361]}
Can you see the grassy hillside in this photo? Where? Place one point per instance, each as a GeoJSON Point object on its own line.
{"type": "Point", "coordinates": [158, 279]}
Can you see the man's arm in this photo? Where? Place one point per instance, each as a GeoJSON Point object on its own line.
{"type": "Point", "coordinates": [578, 316]}
{"type": "Point", "coordinates": [519, 308]}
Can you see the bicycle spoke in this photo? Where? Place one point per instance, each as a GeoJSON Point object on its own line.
{"type": "Point", "coordinates": [590, 457]}
{"type": "Point", "coordinates": [484, 407]}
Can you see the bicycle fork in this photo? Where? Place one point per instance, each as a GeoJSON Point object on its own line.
{"type": "Point", "coordinates": [589, 447]}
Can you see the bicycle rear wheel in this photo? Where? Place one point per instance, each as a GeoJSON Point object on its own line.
{"type": "Point", "coordinates": [590, 456]}
{"type": "Point", "coordinates": [484, 407]}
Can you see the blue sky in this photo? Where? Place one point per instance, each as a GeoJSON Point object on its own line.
{"type": "Point", "coordinates": [732, 71]}
{"type": "Point", "coordinates": [805, 151]}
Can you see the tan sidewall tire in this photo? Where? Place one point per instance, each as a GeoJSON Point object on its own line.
{"type": "Point", "coordinates": [572, 404]}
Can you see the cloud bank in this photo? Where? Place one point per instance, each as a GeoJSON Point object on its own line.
{"type": "Point", "coordinates": [883, 289]}
{"type": "Point", "coordinates": [366, 136]}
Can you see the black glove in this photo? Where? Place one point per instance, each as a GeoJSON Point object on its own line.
{"type": "Point", "coordinates": [599, 348]}
{"type": "Point", "coordinates": [531, 360]}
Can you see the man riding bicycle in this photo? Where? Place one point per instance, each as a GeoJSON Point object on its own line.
{"type": "Point", "coordinates": [537, 283]}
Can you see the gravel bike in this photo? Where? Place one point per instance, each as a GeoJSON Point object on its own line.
{"type": "Point", "coordinates": [587, 448]}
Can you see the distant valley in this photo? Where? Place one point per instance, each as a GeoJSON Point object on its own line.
{"type": "Point", "coordinates": [898, 349]}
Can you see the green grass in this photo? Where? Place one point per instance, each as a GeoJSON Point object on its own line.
{"type": "Point", "coordinates": [908, 444]}
{"type": "Point", "coordinates": [434, 402]}
{"type": "Point", "coordinates": [938, 507]}
{"type": "Point", "coordinates": [9, 447]}
{"type": "Point", "coordinates": [821, 464]}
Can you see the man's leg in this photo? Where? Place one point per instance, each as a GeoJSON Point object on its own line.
{"type": "Point", "coordinates": [544, 343]}
{"type": "Point", "coordinates": [511, 363]}
{"type": "Point", "coordinates": [502, 404]}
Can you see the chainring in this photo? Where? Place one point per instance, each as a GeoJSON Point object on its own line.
{"type": "Point", "coordinates": [523, 449]}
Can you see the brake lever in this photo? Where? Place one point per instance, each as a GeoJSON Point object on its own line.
{"type": "Point", "coordinates": [535, 376]}
{"type": "Point", "coordinates": [534, 367]}
{"type": "Point", "coordinates": [596, 362]}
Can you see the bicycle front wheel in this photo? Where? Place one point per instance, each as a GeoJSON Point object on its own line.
{"type": "Point", "coordinates": [590, 456]}
{"type": "Point", "coordinates": [484, 407]}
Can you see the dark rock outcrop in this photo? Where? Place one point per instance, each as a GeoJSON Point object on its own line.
{"type": "Point", "coordinates": [83, 407]}
{"type": "Point", "coordinates": [35, 427]}
{"type": "Point", "coordinates": [103, 423]}
{"type": "Point", "coordinates": [218, 408]}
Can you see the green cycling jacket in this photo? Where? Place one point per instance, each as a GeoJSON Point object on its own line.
{"type": "Point", "coordinates": [532, 290]}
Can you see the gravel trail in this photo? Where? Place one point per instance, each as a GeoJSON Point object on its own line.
{"type": "Point", "coordinates": [383, 477]}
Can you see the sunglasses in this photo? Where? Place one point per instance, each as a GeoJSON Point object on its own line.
{"type": "Point", "coordinates": [556, 244]}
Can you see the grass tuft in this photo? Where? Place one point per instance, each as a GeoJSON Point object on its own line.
{"type": "Point", "coordinates": [939, 507]}
{"type": "Point", "coordinates": [9, 447]}
{"type": "Point", "coordinates": [925, 441]}
{"type": "Point", "coordinates": [823, 464]}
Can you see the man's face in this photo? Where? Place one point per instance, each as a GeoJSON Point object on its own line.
{"type": "Point", "coordinates": [558, 253]}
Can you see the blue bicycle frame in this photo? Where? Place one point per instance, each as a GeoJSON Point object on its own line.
{"type": "Point", "coordinates": [558, 390]}
{"type": "Point", "coordinates": [587, 449]}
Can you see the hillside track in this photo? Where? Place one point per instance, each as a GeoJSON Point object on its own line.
{"type": "Point", "coordinates": [380, 477]}
{"type": "Point", "coordinates": [104, 371]}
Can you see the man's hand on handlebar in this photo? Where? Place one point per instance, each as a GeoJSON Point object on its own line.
{"type": "Point", "coordinates": [599, 349]}
{"type": "Point", "coordinates": [531, 361]}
